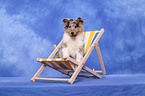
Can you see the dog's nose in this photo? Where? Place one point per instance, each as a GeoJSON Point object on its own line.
{"type": "Point", "coordinates": [72, 33]}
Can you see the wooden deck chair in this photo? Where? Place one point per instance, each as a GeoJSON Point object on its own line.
{"type": "Point", "coordinates": [64, 65]}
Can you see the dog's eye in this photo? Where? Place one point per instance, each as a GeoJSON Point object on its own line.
{"type": "Point", "coordinates": [77, 25]}
{"type": "Point", "coordinates": [66, 27]}
{"type": "Point", "coordinates": [69, 26]}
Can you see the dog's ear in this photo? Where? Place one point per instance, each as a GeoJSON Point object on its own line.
{"type": "Point", "coordinates": [80, 20]}
{"type": "Point", "coordinates": [66, 21]}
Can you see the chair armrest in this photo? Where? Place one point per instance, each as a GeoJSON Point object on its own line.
{"type": "Point", "coordinates": [55, 50]}
{"type": "Point", "coordinates": [72, 60]}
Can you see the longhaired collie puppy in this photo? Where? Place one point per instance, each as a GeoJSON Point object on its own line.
{"type": "Point", "coordinates": [73, 43]}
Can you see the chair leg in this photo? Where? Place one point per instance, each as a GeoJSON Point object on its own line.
{"type": "Point", "coordinates": [77, 71]}
{"type": "Point", "coordinates": [100, 59]}
{"type": "Point", "coordinates": [91, 71]}
{"type": "Point", "coordinates": [38, 72]}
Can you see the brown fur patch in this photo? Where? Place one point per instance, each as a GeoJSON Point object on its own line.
{"type": "Point", "coordinates": [73, 25]}
{"type": "Point", "coordinates": [65, 44]}
{"type": "Point", "coordinates": [81, 49]}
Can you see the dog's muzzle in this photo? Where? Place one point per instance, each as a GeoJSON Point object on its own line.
{"type": "Point", "coordinates": [72, 34]}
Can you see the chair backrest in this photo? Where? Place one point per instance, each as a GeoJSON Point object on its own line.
{"type": "Point", "coordinates": [89, 37]}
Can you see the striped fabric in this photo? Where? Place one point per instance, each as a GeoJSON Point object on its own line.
{"type": "Point", "coordinates": [88, 39]}
{"type": "Point", "coordinates": [57, 59]}
{"type": "Point", "coordinates": [60, 63]}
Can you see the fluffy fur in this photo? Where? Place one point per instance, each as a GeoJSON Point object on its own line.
{"type": "Point", "coordinates": [74, 48]}
{"type": "Point", "coordinates": [73, 44]}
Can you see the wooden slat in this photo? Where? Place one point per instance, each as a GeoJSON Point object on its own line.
{"type": "Point", "coordinates": [38, 72]}
{"type": "Point", "coordinates": [72, 60]}
{"type": "Point", "coordinates": [99, 71]}
{"type": "Point", "coordinates": [86, 75]}
{"type": "Point", "coordinates": [83, 71]}
{"type": "Point", "coordinates": [97, 31]}
{"type": "Point", "coordinates": [38, 59]}
{"type": "Point", "coordinates": [100, 59]}
{"type": "Point", "coordinates": [61, 64]}
{"type": "Point", "coordinates": [99, 36]}
{"type": "Point", "coordinates": [91, 71]}
{"type": "Point", "coordinates": [52, 79]}
{"type": "Point", "coordinates": [54, 46]}
{"type": "Point", "coordinates": [55, 50]}
{"type": "Point", "coordinates": [68, 65]}
{"type": "Point", "coordinates": [77, 71]}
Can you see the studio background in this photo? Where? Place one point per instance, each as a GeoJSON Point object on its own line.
{"type": "Point", "coordinates": [29, 28]}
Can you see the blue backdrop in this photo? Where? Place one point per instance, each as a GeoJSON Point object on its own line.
{"type": "Point", "coordinates": [29, 28]}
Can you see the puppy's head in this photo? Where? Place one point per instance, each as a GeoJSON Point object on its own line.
{"type": "Point", "coordinates": [73, 26]}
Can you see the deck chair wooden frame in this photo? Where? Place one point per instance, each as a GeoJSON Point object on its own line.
{"type": "Point", "coordinates": [80, 65]}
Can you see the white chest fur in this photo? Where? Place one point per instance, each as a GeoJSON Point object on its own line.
{"type": "Point", "coordinates": [73, 46]}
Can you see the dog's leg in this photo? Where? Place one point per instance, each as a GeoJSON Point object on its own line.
{"type": "Point", "coordinates": [65, 52]}
{"type": "Point", "coordinates": [79, 56]}
{"type": "Point", "coordinates": [59, 54]}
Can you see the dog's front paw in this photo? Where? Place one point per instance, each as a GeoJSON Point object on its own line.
{"type": "Point", "coordinates": [79, 57]}
{"type": "Point", "coordinates": [65, 53]}
{"type": "Point", "coordinates": [65, 56]}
